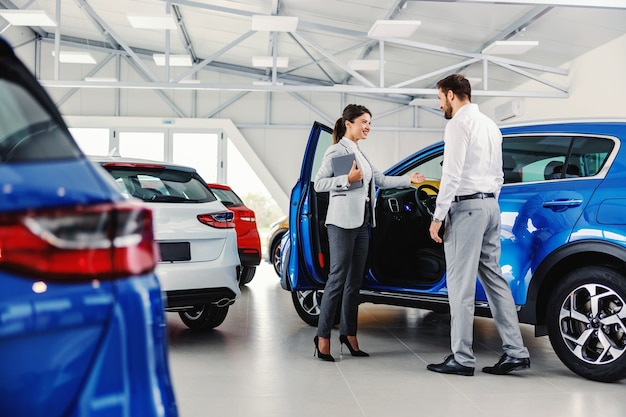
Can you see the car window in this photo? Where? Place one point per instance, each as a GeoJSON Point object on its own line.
{"type": "Point", "coordinates": [552, 157]}
{"type": "Point", "coordinates": [163, 185]}
{"type": "Point", "coordinates": [27, 132]}
{"type": "Point", "coordinates": [228, 197]}
{"type": "Point", "coordinates": [323, 143]}
{"type": "Point", "coordinates": [431, 168]}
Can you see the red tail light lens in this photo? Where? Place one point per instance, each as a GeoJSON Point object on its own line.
{"type": "Point", "coordinates": [247, 216]}
{"type": "Point", "coordinates": [220, 220]}
{"type": "Point", "coordinates": [80, 243]}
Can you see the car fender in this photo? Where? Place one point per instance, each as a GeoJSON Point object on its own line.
{"type": "Point", "coordinates": [560, 262]}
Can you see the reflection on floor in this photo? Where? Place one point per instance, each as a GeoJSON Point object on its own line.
{"type": "Point", "coordinates": [259, 363]}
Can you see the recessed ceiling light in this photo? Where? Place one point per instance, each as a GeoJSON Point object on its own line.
{"type": "Point", "coordinates": [274, 23]}
{"type": "Point", "coordinates": [27, 17]}
{"type": "Point", "coordinates": [364, 64]}
{"type": "Point", "coordinates": [259, 82]}
{"type": "Point", "coordinates": [425, 102]}
{"type": "Point", "coordinates": [175, 60]}
{"type": "Point", "coordinates": [268, 61]}
{"type": "Point", "coordinates": [189, 81]}
{"type": "Point", "coordinates": [393, 28]}
{"type": "Point", "coordinates": [75, 57]}
{"type": "Point", "coordinates": [102, 79]}
{"type": "Point", "coordinates": [152, 22]}
{"type": "Point", "coordinates": [509, 47]}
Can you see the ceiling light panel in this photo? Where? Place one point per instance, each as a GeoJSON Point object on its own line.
{"type": "Point", "coordinates": [75, 57]}
{"type": "Point", "coordinates": [425, 102]}
{"type": "Point", "coordinates": [27, 17]}
{"type": "Point", "coordinates": [102, 79]}
{"type": "Point", "coordinates": [175, 60]}
{"type": "Point", "coordinates": [274, 23]}
{"type": "Point", "coordinates": [393, 28]}
{"type": "Point", "coordinates": [364, 64]}
{"type": "Point", "coordinates": [268, 61]}
{"type": "Point", "coordinates": [161, 22]}
{"type": "Point", "coordinates": [510, 47]}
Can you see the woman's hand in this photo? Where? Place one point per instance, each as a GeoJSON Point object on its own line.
{"type": "Point", "coordinates": [416, 178]}
{"type": "Point", "coordinates": [355, 173]}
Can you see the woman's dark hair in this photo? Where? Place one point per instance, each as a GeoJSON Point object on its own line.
{"type": "Point", "coordinates": [458, 84]}
{"type": "Point", "coordinates": [350, 113]}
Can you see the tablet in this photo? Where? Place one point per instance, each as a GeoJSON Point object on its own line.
{"type": "Point", "coordinates": [342, 166]}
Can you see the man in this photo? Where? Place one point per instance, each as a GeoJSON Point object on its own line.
{"type": "Point", "coordinates": [468, 201]}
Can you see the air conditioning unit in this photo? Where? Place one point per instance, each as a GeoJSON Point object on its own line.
{"type": "Point", "coordinates": [510, 109]}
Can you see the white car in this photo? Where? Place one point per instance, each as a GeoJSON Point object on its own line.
{"type": "Point", "coordinates": [199, 262]}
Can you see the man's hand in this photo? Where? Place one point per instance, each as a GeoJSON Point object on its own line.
{"type": "Point", "coordinates": [435, 226]}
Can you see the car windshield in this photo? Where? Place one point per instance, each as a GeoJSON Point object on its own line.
{"type": "Point", "coordinates": [228, 197]}
{"type": "Point", "coordinates": [27, 131]}
{"type": "Point", "coordinates": [161, 184]}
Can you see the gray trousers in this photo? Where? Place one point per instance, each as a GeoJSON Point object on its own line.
{"type": "Point", "coordinates": [348, 256]}
{"type": "Point", "coordinates": [472, 248]}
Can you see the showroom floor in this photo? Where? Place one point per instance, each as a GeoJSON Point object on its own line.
{"type": "Point", "coordinates": [259, 363]}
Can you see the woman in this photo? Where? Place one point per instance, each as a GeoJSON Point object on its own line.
{"type": "Point", "coordinates": [349, 215]}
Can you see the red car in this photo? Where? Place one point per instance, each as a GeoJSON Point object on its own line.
{"type": "Point", "coordinates": [248, 240]}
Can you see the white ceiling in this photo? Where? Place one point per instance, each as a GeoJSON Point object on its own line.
{"type": "Point", "coordinates": [218, 35]}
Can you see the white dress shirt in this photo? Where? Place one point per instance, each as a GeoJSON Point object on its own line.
{"type": "Point", "coordinates": [472, 157]}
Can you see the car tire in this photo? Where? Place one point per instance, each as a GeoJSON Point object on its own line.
{"type": "Point", "coordinates": [204, 317]}
{"type": "Point", "coordinates": [585, 320]}
{"type": "Point", "coordinates": [247, 273]}
{"type": "Point", "coordinates": [307, 304]}
{"type": "Point", "coordinates": [275, 252]}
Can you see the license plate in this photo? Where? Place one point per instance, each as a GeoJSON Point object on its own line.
{"type": "Point", "coordinates": [174, 251]}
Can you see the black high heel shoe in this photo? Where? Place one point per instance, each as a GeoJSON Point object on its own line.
{"type": "Point", "coordinates": [323, 356]}
{"type": "Point", "coordinates": [343, 340]}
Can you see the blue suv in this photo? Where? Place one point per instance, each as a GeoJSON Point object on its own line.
{"type": "Point", "coordinates": [563, 237]}
{"type": "Point", "coordinates": [82, 324]}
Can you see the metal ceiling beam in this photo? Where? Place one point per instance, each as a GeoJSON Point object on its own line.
{"type": "Point", "coordinates": [213, 56]}
{"type": "Point", "coordinates": [330, 56]}
{"type": "Point", "coordinates": [91, 73]}
{"type": "Point", "coordinates": [115, 40]}
{"type": "Point", "coordinates": [603, 4]}
{"type": "Point", "coordinates": [184, 34]}
{"type": "Point", "coordinates": [339, 88]}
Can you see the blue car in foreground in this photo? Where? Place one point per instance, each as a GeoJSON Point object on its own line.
{"type": "Point", "coordinates": [563, 238]}
{"type": "Point", "coordinates": [82, 324]}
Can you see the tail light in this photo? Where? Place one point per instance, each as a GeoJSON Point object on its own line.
{"type": "Point", "coordinates": [220, 220]}
{"type": "Point", "coordinates": [105, 241]}
{"type": "Point", "coordinates": [247, 216]}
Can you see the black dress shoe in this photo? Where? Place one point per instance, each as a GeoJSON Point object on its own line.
{"type": "Point", "coordinates": [450, 366]}
{"type": "Point", "coordinates": [507, 364]}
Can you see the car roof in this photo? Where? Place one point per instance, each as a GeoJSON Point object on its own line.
{"type": "Point", "coordinates": [138, 162]}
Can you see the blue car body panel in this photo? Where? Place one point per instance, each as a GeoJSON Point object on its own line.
{"type": "Point", "coordinates": [540, 219]}
{"type": "Point", "coordinates": [92, 348]}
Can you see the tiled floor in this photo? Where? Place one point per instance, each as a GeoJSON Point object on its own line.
{"type": "Point", "coordinates": [259, 363]}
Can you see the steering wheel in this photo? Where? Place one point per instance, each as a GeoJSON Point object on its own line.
{"type": "Point", "coordinates": [425, 201]}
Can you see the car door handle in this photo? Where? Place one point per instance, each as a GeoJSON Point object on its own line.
{"type": "Point", "coordinates": [561, 205]}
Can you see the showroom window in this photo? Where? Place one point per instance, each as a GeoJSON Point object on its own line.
{"type": "Point", "coordinates": [144, 145]}
{"type": "Point", "coordinates": [92, 141]}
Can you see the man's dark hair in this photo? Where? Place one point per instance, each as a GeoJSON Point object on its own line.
{"type": "Point", "coordinates": [458, 84]}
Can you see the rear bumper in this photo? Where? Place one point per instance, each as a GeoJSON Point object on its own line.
{"type": "Point", "coordinates": [221, 297]}
{"type": "Point", "coordinates": [249, 256]}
